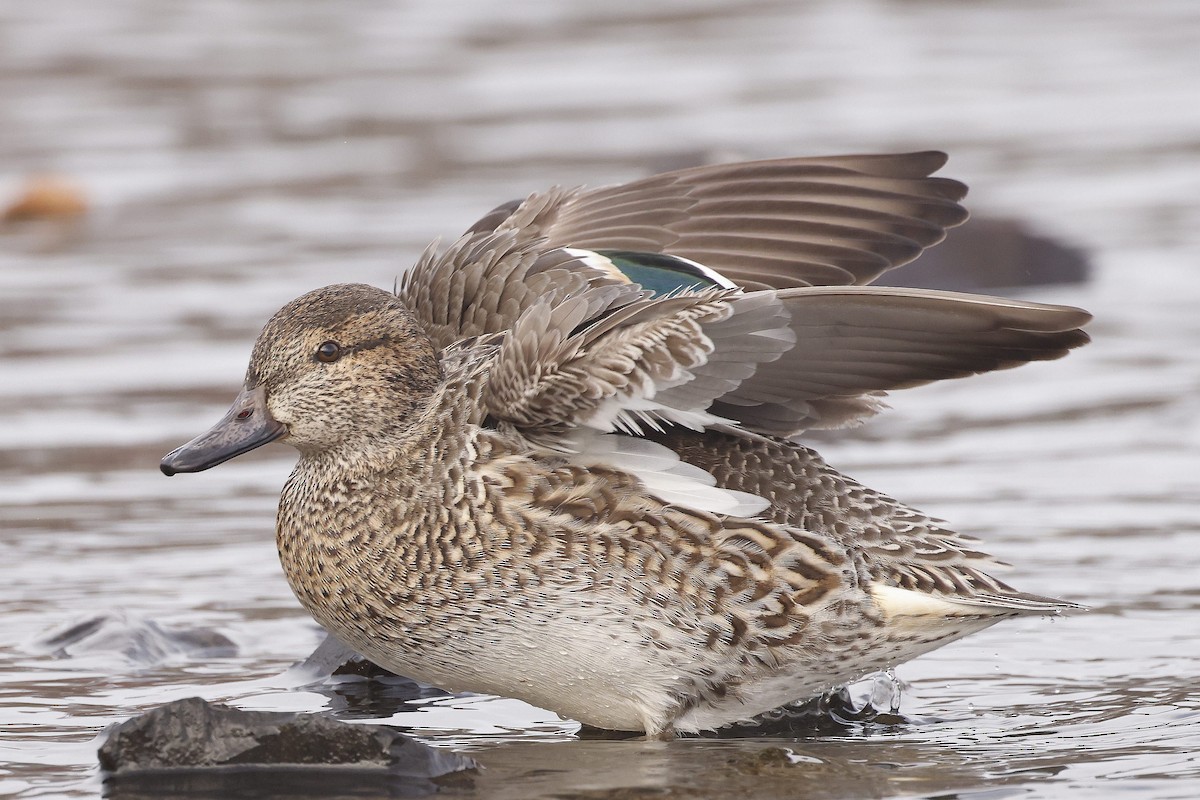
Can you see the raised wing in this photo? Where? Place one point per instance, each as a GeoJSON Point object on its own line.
{"type": "Point", "coordinates": [764, 224]}
{"type": "Point", "coordinates": [777, 361]}
{"type": "Point", "coordinates": [760, 224]}
{"type": "Point", "coordinates": [584, 349]}
{"type": "Point", "coordinates": [854, 343]}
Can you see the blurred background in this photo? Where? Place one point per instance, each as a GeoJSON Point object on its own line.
{"type": "Point", "coordinates": [172, 173]}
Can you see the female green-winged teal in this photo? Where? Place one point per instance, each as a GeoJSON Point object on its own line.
{"type": "Point", "coordinates": [524, 474]}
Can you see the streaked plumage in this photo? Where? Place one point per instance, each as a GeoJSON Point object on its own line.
{"type": "Point", "coordinates": [528, 475]}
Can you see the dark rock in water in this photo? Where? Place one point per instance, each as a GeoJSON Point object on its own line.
{"type": "Point", "coordinates": [141, 641]}
{"type": "Point", "coordinates": [190, 746]}
{"type": "Point", "coordinates": [357, 687]}
{"type": "Point", "coordinates": [990, 254]}
{"type": "Point", "coordinates": [835, 713]}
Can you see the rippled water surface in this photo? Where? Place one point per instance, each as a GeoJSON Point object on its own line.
{"type": "Point", "coordinates": [236, 154]}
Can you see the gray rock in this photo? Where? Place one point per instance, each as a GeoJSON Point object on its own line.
{"type": "Point", "coordinates": [993, 254]}
{"type": "Point", "coordinates": [355, 686]}
{"type": "Point", "coordinates": [192, 745]}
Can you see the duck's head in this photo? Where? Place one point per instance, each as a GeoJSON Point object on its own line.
{"type": "Point", "coordinates": [343, 366]}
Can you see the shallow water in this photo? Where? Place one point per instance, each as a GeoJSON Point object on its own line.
{"type": "Point", "coordinates": [237, 154]}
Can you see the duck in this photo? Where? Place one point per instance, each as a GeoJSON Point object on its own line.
{"type": "Point", "coordinates": [563, 460]}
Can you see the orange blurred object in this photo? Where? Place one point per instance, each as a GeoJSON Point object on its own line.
{"type": "Point", "coordinates": [47, 197]}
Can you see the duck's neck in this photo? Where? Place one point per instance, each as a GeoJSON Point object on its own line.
{"type": "Point", "coordinates": [391, 512]}
{"type": "Point", "coordinates": [408, 465]}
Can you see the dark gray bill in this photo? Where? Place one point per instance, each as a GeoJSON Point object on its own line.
{"type": "Point", "coordinates": [245, 426]}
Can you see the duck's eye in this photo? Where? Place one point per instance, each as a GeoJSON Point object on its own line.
{"type": "Point", "coordinates": [329, 352]}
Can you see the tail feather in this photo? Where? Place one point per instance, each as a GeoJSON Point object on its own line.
{"type": "Point", "coordinates": [909, 604]}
